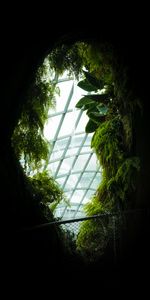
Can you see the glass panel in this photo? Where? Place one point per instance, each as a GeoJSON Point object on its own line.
{"type": "Point", "coordinates": [96, 181]}
{"type": "Point", "coordinates": [86, 149]}
{"type": "Point", "coordinates": [77, 196]}
{"type": "Point", "coordinates": [85, 180]}
{"type": "Point", "coordinates": [71, 151]}
{"type": "Point", "coordinates": [92, 165]}
{"type": "Point", "coordinates": [68, 124]}
{"type": "Point", "coordinates": [61, 180]}
{"type": "Point", "coordinates": [88, 196]}
{"type": "Point", "coordinates": [62, 204]}
{"type": "Point", "coordinates": [80, 162]}
{"type": "Point", "coordinates": [60, 144]}
{"type": "Point", "coordinates": [53, 167]}
{"type": "Point", "coordinates": [79, 214]}
{"type": "Point", "coordinates": [78, 94]}
{"type": "Point", "coordinates": [76, 140]}
{"type": "Point", "coordinates": [82, 123]}
{"type": "Point", "coordinates": [68, 195]}
{"type": "Point", "coordinates": [88, 140]}
{"type": "Point", "coordinates": [61, 100]}
{"type": "Point", "coordinates": [56, 155]}
{"type": "Point", "coordinates": [69, 213]}
{"type": "Point", "coordinates": [71, 182]}
{"type": "Point", "coordinates": [51, 127]}
{"type": "Point", "coordinates": [66, 165]}
{"type": "Point", "coordinates": [58, 212]}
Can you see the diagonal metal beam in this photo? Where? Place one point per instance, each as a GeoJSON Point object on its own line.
{"type": "Point", "coordinates": [68, 143]}
{"type": "Point", "coordinates": [75, 159]}
{"type": "Point", "coordinates": [81, 173]}
{"type": "Point", "coordinates": [85, 194]}
{"type": "Point", "coordinates": [61, 121]}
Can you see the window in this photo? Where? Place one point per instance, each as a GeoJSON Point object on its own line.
{"type": "Point", "coordinates": [72, 161]}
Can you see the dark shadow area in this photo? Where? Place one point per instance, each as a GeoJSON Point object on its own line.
{"type": "Point", "coordinates": [37, 257]}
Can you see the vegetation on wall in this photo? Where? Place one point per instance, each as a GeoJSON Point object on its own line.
{"type": "Point", "coordinates": [32, 149]}
{"type": "Point", "coordinates": [28, 139]}
{"type": "Point", "coordinates": [112, 141]}
{"type": "Point", "coordinates": [111, 118]}
{"type": "Point", "coordinates": [110, 105]}
{"type": "Point", "coordinates": [46, 189]}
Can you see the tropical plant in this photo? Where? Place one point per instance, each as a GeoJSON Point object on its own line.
{"type": "Point", "coordinates": [28, 140]}
{"type": "Point", "coordinates": [93, 237]}
{"type": "Point", "coordinates": [111, 120]}
{"type": "Point", "coordinates": [110, 106]}
{"type": "Point", "coordinates": [32, 149]}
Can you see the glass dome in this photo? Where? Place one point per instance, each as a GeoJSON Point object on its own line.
{"type": "Point", "coordinates": [72, 162]}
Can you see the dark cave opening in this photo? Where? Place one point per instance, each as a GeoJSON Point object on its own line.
{"type": "Point", "coordinates": [32, 252]}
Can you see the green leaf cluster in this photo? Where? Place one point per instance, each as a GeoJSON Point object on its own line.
{"type": "Point", "coordinates": [96, 105]}
{"type": "Point", "coordinates": [46, 188]}
{"type": "Point", "coordinates": [28, 140]}
{"type": "Point", "coordinates": [109, 104]}
{"type": "Point", "coordinates": [93, 238]}
{"type": "Point", "coordinates": [111, 119]}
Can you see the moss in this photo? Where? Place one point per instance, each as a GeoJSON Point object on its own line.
{"type": "Point", "coordinates": [108, 145]}
{"type": "Point", "coordinates": [28, 140]}
{"type": "Point", "coordinates": [113, 137]}
{"type": "Point", "coordinates": [113, 143]}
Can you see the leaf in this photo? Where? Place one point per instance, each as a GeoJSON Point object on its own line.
{"type": "Point", "coordinates": [85, 85]}
{"type": "Point", "coordinates": [83, 101]}
{"type": "Point", "coordinates": [99, 84]}
{"type": "Point", "coordinates": [90, 107]}
{"type": "Point", "coordinates": [96, 119]}
{"type": "Point", "coordinates": [91, 126]}
{"type": "Point", "coordinates": [99, 98]}
{"type": "Point", "coordinates": [103, 110]}
{"type": "Point", "coordinates": [93, 109]}
{"type": "Point", "coordinates": [97, 110]}
{"type": "Point", "coordinates": [90, 100]}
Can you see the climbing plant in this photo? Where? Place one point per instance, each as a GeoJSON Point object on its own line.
{"type": "Point", "coordinates": [110, 108]}
{"type": "Point", "coordinates": [112, 139]}
{"type": "Point", "coordinates": [110, 105]}
{"type": "Point", "coordinates": [28, 139]}
{"type": "Point", "coordinates": [32, 149]}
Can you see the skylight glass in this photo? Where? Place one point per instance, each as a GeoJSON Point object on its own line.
{"type": "Point", "coordinates": [72, 161]}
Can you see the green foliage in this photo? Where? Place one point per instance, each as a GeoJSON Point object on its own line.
{"type": "Point", "coordinates": [91, 101]}
{"type": "Point", "coordinates": [125, 178]}
{"type": "Point", "coordinates": [92, 239]}
{"type": "Point", "coordinates": [111, 117]}
{"type": "Point", "coordinates": [32, 148]}
{"type": "Point", "coordinates": [68, 58]}
{"type": "Point", "coordinates": [47, 188]}
{"type": "Point", "coordinates": [68, 239]}
{"type": "Point", "coordinates": [91, 79]}
{"type": "Point", "coordinates": [73, 57]}
{"type": "Point", "coordinates": [108, 144]}
{"type": "Point", "coordinates": [28, 141]}
{"type": "Point", "coordinates": [94, 207]}
{"type": "Point", "coordinates": [98, 105]}
{"type": "Point", "coordinates": [44, 192]}
{"type": "Point", "coordinates": [85, 85]}
{"type": "Point", "coordinates": [90, 126]}
{"type": "Point", "coordinates": [110, 107]}
{"type": "Point", "coordinates": [127, 127]}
